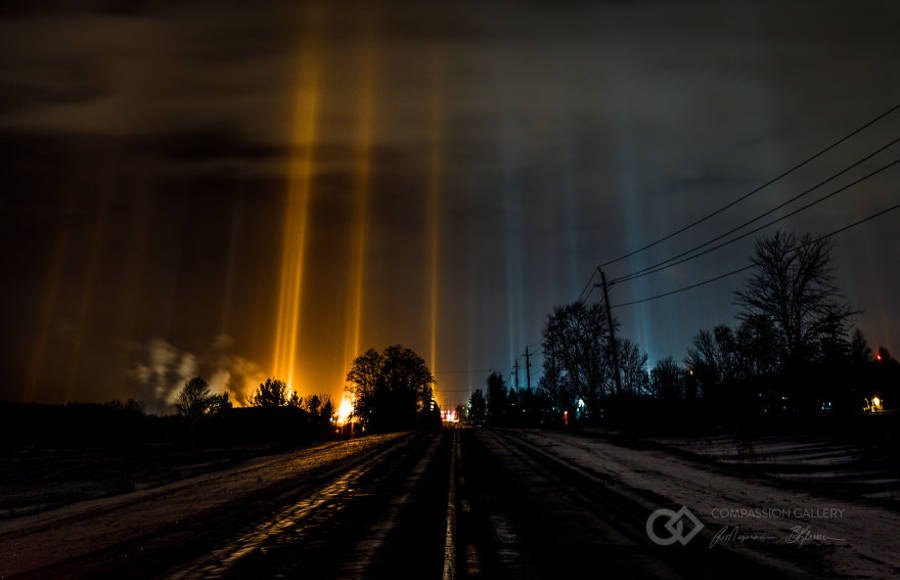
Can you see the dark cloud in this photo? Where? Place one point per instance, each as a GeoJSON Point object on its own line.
{"type": "Point", "coordinates": [215, 143]}
{"type": "Point", "coordinates": [37, 85]}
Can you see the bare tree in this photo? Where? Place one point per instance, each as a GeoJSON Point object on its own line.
{"type": "Point", "coordinates": [759, 346]}
{"type": "Point", "coordinates": [794, 286]}
{"type": "Point", "coordinates": [576, 339]}
{"type": "Point", "coordinates": [553, 382]}
{"type": "Point", "coordinates": [194, 399]}
{"type": "Point", "coordinates": [633, 364]}
{"type": "Point", "coordinates": [860, 352]}
{"type": "Point", "coordinates": [667, 379]}
{"type": "Point", "coordinates": [714, 358]}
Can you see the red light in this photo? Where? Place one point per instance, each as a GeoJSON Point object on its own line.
{"type": "Point", "coordinates": [878, 356]}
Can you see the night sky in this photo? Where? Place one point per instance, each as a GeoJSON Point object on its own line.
{"type": "Point", "coordinates": [433, 175]}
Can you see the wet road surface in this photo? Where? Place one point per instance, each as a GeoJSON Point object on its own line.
{"type": "Point", "coordinates": [465, 503]}
{"type": "Point", "coordinates": [342, 529]}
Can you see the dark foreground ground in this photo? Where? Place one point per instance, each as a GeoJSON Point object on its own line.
{"type": "Point", "coordinates": [461, 503]}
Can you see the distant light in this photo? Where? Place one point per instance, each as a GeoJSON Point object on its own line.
{"type": "Point", "coordinates": [878, 356]}
{"type": "Point", "coordinates": [691, 372]}
{"type": "Point", "coordinates": [345, 409]}
{"type": "Point", "coordinates": [876, 402]}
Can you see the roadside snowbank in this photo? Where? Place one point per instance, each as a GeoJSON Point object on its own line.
{"type": "Point", "coordinates": [854, 539]}
{"type": "Point", "coordinates": [827, 466]}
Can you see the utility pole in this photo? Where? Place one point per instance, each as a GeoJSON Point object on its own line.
{"type": "Point", "coordinates": [612, 334]}
{"type": "Point", "coordinates": [527, 369]}
{"type": "Point", "coordinates": [516, 366]}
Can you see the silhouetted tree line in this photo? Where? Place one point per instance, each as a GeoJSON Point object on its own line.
{"type": "Point", "coordinates": [272, 411]}
{"type": "Point", "coordinates": [790, 354]}
{"type": "Point", "coordinates": [392, 390]}
{"type": "Point", "coordinates": [270, 415]}
{"type": "Point", "coordinates": [195, 400]}
{"type": "Point", "coordinates": [507, 406]}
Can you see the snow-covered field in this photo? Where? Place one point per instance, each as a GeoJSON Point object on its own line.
{"type": "Point", "coordinates": [850, 538]}
{"type": "Point", "coordinates": [822, 464]}
{"type": "Point", "coordinates": [32, 541]}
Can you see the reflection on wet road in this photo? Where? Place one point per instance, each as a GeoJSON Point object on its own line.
{"type": "Point", "coordinates": [338, 530]}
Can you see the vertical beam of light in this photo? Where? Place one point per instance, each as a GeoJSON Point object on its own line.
{"type": "Point", "coordinates": [512, 201]}
{"type": "Point", "coordinates": [136, 252]}
{"type": "Point", "coordinates": [471, 274]}
{"type": "Point", "coordinates": [572, 285]}
{"type": "Point", "coordinates": [434, 191]}
{"type": "Point", "coordinates": [295, 224]}
{"type": "Point", "coordinates": [229, 272]}
{"type": "Point", "coordinates": [45, 317]}
{"type": "Point", "coordinates": [356, 269]}
{"type": "Point", "coordinates": [87, 294]}
{"type": "Point", "coordinates": [633, 210]}
{"type": "Point", "coordinates": [513, 151]}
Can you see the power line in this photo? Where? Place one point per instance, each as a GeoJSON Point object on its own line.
{"type": "Point", "coordinates": [747, 267]}
{"type": "Point", "coordinates": [683, 289]}
{"type": "Point", "coordinates": [589, 293]}
{"type": "Point", "coordinates": [807, 191]}
{"type": "Point", "coordinates": [582, 297]}
{"type": "Point", "coordinates": [589, 287]}
{"type": "Point", "coordinates": [664, 265]}
{"type": "Point", "coordinates": [586, 287]}
{"type": "Point", "coordinates": [756, 189]}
